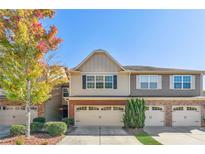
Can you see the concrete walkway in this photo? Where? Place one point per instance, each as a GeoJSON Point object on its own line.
{"type": "Point", "coordinates": [4, 131]}
{"type": "Point", "coordinates": [178, 135]}
{"type": "Point", "coordinates": [99, 136]}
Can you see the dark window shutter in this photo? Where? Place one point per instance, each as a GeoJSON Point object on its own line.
{"type": "Point", "coordinates": [84, 81]}
{"type": "Point", "coordinates": [115, 81]}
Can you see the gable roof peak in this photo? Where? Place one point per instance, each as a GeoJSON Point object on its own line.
{"type": "Point", "coordinates": [100, 51]}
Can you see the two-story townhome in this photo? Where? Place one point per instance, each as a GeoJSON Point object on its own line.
{"type": "Point", "coordinates": [100, 87]}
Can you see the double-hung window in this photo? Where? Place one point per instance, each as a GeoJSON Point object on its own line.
{"type": "Point", "coordinates": [90, 80]}
{"type": "Point", "coordinates": [65, 92]}
{"type": "Point", "coordinates": [109, 82]}
{"type": "Point", "coordinates": [148, 81]}
{"type": "Point", "coordinates": [182, 81]}
{"type": "Point", "coordinates": [99, 81]}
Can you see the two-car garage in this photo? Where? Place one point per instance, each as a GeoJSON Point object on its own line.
{"type": "Point", "coordinates": [99, 115]}
{"type": "Point", "coordinates": [105, 115]}
{"type": "Point", "coordinates": [15, 114]}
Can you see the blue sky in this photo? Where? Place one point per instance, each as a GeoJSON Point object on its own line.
{"type": "Point", "coordinates": [164, 38]}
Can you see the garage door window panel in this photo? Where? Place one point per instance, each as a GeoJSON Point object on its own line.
{"type": "Point", "coordinates": [118, 108]}
{"type": "Point", "coordinates": [178, 108]}
{"type": "Point", "coordinates": [191, 108]}
{"type": "Point", "coordinates": [106, 108]}
{"type": "Point", "coordinates": [83, 108]}
{"type": "Point", "coordinates": [146, 107]}
{"type": "Point", "coordinates": [93, 108]}
{"type": "Point", "coordinates": [155, 108]}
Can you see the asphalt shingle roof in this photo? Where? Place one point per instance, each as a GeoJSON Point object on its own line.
{"type": "Point", "coordinates": [151, 68]}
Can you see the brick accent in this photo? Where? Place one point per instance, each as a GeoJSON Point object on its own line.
{"type": "Point", "coordinates": [168, 115]}
{"type": "Point", "coordinates": [41, 110]}
{"type": "Point", "coordinates": [166, 103]}
{"type": "Point", "coordinates": [202, 115]}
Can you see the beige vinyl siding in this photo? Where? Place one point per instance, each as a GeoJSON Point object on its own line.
{"type": "Point", "coordinates": [99, 62]}
{"type": "Point", "coordinates": [122, 86]}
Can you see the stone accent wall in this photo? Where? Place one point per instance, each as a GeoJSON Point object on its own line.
{"type": "Point", "coordinates": [166, 103]}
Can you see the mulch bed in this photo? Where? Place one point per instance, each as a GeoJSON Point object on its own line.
{"type": "Point", "coordinates": [34, 139]}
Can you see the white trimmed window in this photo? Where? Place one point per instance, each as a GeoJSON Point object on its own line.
{"type": "Point", "coordinates": [108, 82]}
{"type": "Point", "coordinates": [65, 92]}
{"type": "Point", "coordinates": [148, 81]}
{"type": "Point", "coordinates": [99, 82]}
{"type": "Point", "coordinates": [182, 82]}
{"type": "Point", "coordinates": [90, 80]}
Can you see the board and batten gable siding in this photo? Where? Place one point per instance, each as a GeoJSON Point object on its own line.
{"type": "Point", "coordinates": [165, 90]}
{"type": "Point", "coordinates": [99, 62]}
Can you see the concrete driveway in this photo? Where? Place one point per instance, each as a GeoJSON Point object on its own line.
{"type": "Point", "coordinates": [4, 131]}
{"type": "Point", "coordinates": [99, 136]}
{"type": "Point", "coordinates": [178, 135]}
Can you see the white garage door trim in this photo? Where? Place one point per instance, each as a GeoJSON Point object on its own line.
{"type": "Point", "coordinates": [99, 115]}
{"type": "Point", "coordinates": [155, 115]}
{"type": "Point", "coordinates": [184, 115]}
{"type": "Point", "coordinates": [15, 114]}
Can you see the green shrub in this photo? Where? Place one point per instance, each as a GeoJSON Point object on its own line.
{"type": "Point", "coordinates": [39, 119]}
{"type": "Point", "coordinates": [134, 116]}
{"type": "Point", "coordinates": [17, 130]}
{"type": "Point", "coordinates": [55, 128]}
{"type": "Point", "coordinates": [37, 127]}
{"type": "Point", "coordinates": [68, 121]}
{"type": "Point", "coordinates": [20, 141]}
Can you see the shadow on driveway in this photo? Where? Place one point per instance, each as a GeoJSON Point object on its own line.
{"type": "Point", "coordinates": [4, 131]}
{"type": "Point", "coordinates": [99, 136]}
{"type": "Point", "coordinates": [98, 130]}
{"type": "Point", "coordinates": [178, 135]}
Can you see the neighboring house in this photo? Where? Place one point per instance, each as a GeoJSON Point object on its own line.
{"type": "Point", "coordinates": [100, 87]}
{"type": "Point", "coordinates": [53, 109]}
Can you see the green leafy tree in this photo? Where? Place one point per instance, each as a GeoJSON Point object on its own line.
{"type": "Point", "coordinates": [25, 74]}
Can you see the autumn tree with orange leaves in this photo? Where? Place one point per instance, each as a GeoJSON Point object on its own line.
{"type": "Point", "coordinates": [25, 76]}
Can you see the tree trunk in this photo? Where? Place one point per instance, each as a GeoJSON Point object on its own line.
{"type": "Point", "coordinates": [28, 103]}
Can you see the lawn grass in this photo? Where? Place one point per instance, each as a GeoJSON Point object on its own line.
{"type": "Point", "coordinates": [146, 139]}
